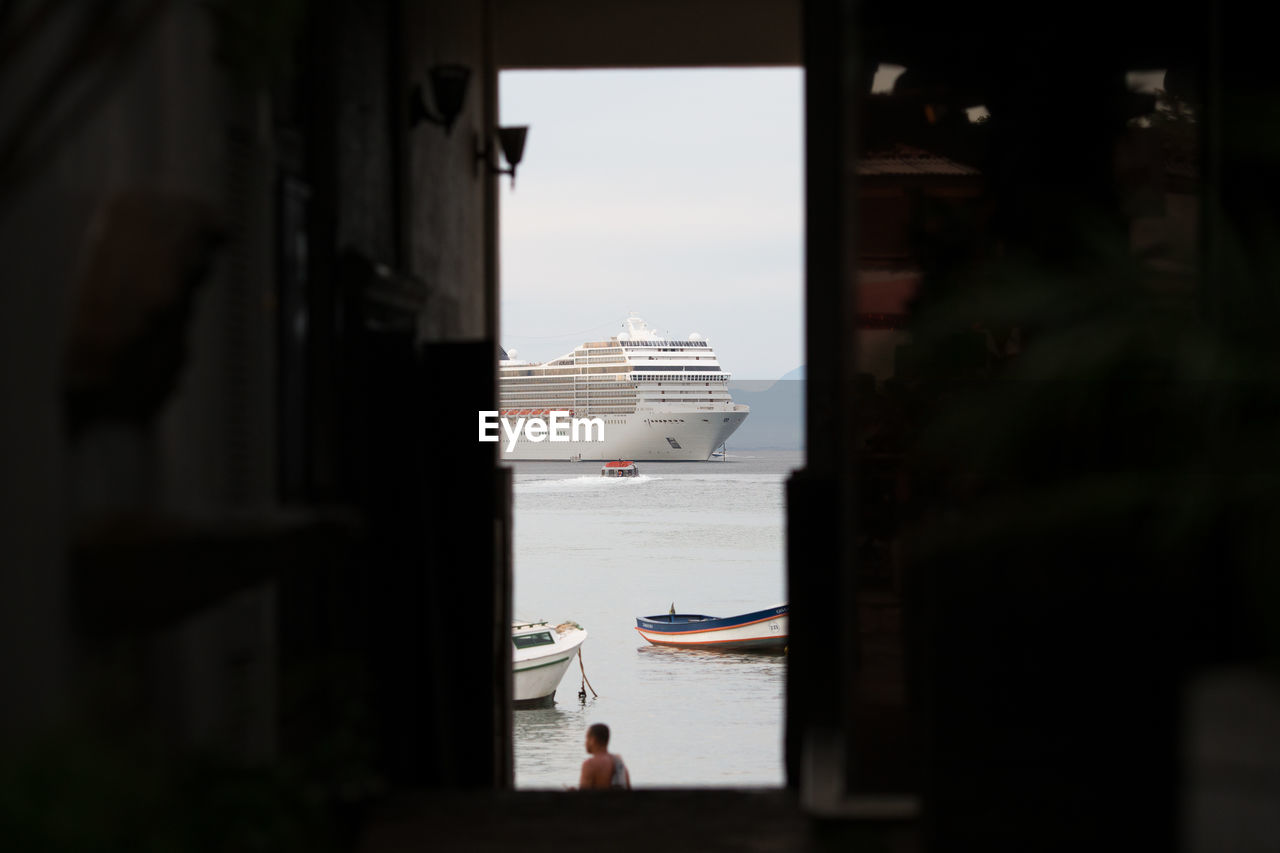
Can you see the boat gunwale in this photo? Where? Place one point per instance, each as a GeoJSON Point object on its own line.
{"type": "Point", "coordinates": [651, 623]}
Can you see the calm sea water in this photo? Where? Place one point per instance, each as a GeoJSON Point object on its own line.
{"type": "Point", "coordinates": [707, 536]}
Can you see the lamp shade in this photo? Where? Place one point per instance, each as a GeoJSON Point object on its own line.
{"type": "Point", "coordinates": [511, 140]}
{"type": "Point", "coordinates": [449, 90]}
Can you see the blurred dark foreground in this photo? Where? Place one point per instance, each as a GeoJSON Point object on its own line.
{"type": "Point", "coordinates": [1032, 555]}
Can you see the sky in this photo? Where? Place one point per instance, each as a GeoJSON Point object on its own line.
{"type": "Point", "coordinates": [674, 194]}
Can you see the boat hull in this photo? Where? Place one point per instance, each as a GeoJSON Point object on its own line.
{"type": "Point", "coordinates": [667, 436]}
{"type": "Point", "coordinates": [763, 630]}
{"type": "Point", "coordinates": [536, 677]}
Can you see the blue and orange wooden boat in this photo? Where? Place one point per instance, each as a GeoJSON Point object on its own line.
{"type": "Point", "coordinates": [762, 630]}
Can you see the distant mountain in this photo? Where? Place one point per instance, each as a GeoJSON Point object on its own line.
{"type": "Point", "coordinates": [776, 421]}
{"type": "Point", "coordinates": [798, 373]}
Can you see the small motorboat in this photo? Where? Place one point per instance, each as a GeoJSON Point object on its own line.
{"type": "Point", "coordinates": [762, 630]}
{"type": "Point", "coordinates": [540, 656]}
{"type": "Point", "coordinates": [620, 468]}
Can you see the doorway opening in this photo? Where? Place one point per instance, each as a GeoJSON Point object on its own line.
{"type": "Point", "coordinates": [664, 207]}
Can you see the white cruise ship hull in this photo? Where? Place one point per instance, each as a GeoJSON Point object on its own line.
{"type": "Point", "coordinates": [666, 436]}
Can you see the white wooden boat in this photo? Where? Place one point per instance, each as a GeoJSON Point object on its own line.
{"type": "Point", "coordinates": [541, 654]}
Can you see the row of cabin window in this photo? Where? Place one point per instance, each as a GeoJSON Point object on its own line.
{"type": "Point", "coordinates": [664, 343]}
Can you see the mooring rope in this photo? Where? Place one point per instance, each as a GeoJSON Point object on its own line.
{"type": "Point", "coordinates": [582, 691]}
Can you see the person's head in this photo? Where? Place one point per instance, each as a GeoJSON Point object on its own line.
{"type": "Point", "coordinates": [597, 737]}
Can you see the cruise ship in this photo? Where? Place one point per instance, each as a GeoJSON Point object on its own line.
{"type": "Point", "coordinates": [660, 399]}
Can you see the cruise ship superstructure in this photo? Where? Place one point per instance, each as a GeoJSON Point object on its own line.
{"type": "Point", "coordinates": [660, 399]}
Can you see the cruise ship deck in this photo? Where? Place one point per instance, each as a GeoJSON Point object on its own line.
{"type": "Point", "coordinates": [657, 398]}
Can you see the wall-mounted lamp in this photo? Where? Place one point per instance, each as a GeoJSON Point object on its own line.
{"type": "Point", "coordinates": [448, 91]}
{"type": "Point", "coordinates": [510, 142]}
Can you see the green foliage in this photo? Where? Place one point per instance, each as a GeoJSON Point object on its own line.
{"type": "Point", "coordinates": [1129, 435]}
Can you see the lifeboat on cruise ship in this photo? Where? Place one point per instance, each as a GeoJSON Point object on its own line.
{"type": "Point", "coordinates": [620, 468]}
